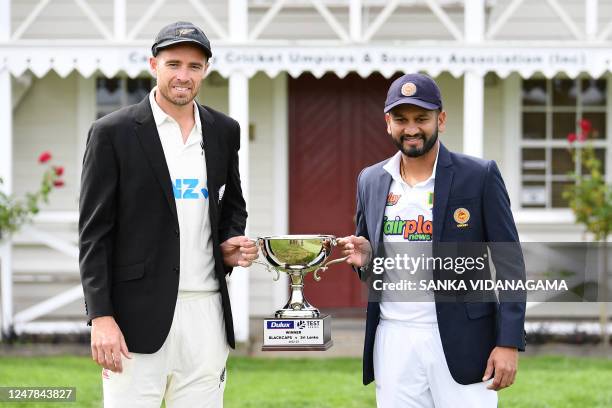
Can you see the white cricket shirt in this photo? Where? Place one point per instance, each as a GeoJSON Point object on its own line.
{"type": "Point", "coordinates": [408, 219]}
{"type": "Point", "coordinates": [187, 167]}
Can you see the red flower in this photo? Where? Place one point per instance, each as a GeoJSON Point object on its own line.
{"type": "Point", "coordinates": [585, 125]}
{"type": "Point", "coordinates": [571, 137]}
{"type": "Point", "coordinates": [582, 136]}
{"type": "Point", "coordinates": [44, 157]}
{"type": "Point", "coordinates": [59, 170]}
{"type": "Point", "coordinates": [58, 183]}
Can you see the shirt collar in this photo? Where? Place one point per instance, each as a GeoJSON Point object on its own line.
{"type": "Point", "coordinates": [160, 116]}
{"type": "Point", "coordinates": [393, 168]}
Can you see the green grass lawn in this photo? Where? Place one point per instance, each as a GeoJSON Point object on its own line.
{"type": "Point", "coordinates": [543, 382]}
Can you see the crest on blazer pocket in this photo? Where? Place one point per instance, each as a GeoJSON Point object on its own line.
{"type": "Point", "coordinates": [461, 216]}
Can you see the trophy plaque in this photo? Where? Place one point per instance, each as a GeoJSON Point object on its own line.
{"type": "Point", "coordinates": [298, 325]}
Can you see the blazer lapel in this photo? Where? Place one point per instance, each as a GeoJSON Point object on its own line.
{"type": "Point", "coordinates": [146, 130]}
{"type": "Point", "coordinates": [210, 142]}
{"type": "Point", "coordinates": [444, 180]}
{"type": "Point", "coordinates": [379, 202]}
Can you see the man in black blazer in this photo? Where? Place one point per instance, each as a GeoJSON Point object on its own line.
{"type": "Point", "coordinates": [454, 348]}
{"type": "Point", "coordinates": [162, 219]}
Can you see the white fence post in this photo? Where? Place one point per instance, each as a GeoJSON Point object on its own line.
{"type": "Point", "coordinates": [6, 173]}
{"type": "Point", "coordinates": [473, 83]}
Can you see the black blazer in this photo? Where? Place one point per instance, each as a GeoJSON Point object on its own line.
{"type": "Point", "coordinates": [469, 330]}
{"type": "Point", "coordinates": [128, 225]}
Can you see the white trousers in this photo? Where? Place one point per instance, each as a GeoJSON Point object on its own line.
{"type": "Point", "coordinates": [189, 369]}
{"type": "Point", "coordinates": [411, 371]}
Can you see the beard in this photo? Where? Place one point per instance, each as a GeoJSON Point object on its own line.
{"type": "Point", "coordinates": [414, 151]}
{"type": "Point", "coordinates": [182, 100]}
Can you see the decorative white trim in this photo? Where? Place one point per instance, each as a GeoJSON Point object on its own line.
{"type": "Point", "coordinates": [89, 56]}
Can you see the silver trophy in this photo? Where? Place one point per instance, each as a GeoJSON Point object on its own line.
{"type": "Point", "coordinates": [301, 325]}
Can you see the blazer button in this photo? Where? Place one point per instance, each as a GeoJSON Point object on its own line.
{"type": "Point", "coordinates": [176, 269]}
{"type": "Point", "coordinates": [176, 232]}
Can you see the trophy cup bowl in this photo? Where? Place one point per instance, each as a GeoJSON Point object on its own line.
{"type": "Point", "coordinates": [297, 255]}
{"type": "Point", "coordinates": [298, 325]}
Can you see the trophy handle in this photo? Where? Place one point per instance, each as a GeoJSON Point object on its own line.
{"type": "Point", "coordinates": [259, 244]}
{"type": "Point", "coordinates": [326, 265]}
{"type": "Point", "coordinates": [269, 269]}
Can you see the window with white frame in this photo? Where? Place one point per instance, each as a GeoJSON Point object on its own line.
{"type": "Point", "coordinates": [115, 93]}
{"type": "Point", "coordinates": [552, 110]}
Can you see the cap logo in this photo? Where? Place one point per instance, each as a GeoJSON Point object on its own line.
{"type": "Point", "coordinates": [185, 31]}
{"type": "Point", "coordinates": [409, 89]}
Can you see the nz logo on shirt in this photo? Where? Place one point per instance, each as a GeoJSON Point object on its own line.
{"type": "Point", "coordinates": [187, 189]}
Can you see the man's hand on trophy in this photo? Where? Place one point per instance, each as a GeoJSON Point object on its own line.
{"type": "Point", "coordinates": [239, 251]}
{"type": "Point", "coordinates": [358, 250]}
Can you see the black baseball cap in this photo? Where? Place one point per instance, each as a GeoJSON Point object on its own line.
{"type": "Point", "coordinates": [181, 32]}
{"type": "Point", "coordinates": [414, 89]}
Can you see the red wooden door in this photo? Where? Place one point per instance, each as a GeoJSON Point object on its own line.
{"type": "Point", "coordinates": [336, 128]}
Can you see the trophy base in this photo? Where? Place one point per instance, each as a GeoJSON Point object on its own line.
{"type": "Point", "coordinates": [299, 334]}
{"type": "Point", "coordinates": [303, 310]}
{"type": "Point", "coordinates": [297, 314]}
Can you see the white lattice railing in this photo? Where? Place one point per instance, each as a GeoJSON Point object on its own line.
{"type": "Point", "coordinates": [332, 12]}
{"type": "Point", "coordinates": [25, 320]}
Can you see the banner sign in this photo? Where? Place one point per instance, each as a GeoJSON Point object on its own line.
{"type": "Point", "coordinates": [526, 61]}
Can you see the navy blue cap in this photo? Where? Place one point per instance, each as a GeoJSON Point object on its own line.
{"type": "Point", "coordinates": [181, 32]}
{"type": "Point", "coordinates": [414, 89]}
